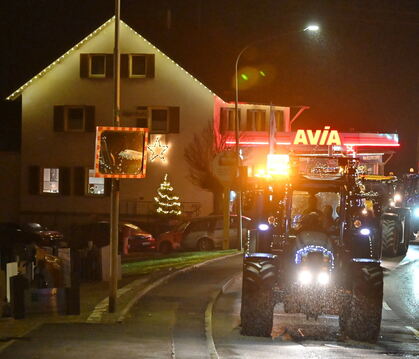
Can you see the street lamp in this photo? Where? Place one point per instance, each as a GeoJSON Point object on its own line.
{"type": "Point", "coordinates": [309, 28]}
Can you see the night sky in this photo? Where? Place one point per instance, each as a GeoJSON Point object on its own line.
{"type": "Point", "coordinates": [361, 72]}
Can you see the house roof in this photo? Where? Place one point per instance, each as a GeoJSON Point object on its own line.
{"type": "Point", "coordinates": [20, 90]}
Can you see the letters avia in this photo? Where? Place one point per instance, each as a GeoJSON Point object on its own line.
{"type": "Point", "coordinates": [318, 137]}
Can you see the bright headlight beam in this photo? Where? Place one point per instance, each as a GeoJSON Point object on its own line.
{"type": "Point", "coordinates": [305, 277]}
{"type": "Point", "coordinates": [416, 212]}
{"type": "Point", "coordinates": [263, 227]}
{"type": "Point", "coordinates": [323, 278]}
{"type": "Point", "coordinates": [365, 231]}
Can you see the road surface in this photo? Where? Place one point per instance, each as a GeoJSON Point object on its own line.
{"type": "Point", "coordinates": [174, 321]}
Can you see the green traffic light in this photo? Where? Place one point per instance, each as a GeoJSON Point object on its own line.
{"type": "Point", "coordinates": [244, 77]}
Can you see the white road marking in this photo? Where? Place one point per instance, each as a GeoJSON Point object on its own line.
{"type": "Point", "coordinates": [385, 306]}
{"type": "Point", "coordinates": [413, 330]}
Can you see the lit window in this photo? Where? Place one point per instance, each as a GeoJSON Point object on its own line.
{"type": "Point", "coordinates": [138, 66]}
{"type": "Point", "coordinates": [50, 180]}
{"type": "Point", "coordinates": [159, 120]}
{"type": "Point", "coordinates": [74, 118]}
{"type": "Point", "coordinates": [97, 66]}
{"type": "Point", "coordinates": [96, 185]}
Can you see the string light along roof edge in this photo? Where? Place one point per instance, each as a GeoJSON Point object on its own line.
{"type": "Point", "coordinates": [20, 90]}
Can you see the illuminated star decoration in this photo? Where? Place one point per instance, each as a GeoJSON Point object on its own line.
{"type": "Point", "coordinates": [157, 150]}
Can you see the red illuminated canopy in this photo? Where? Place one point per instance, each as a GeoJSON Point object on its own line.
{"type": "Point", "coordinates": [350, 139]}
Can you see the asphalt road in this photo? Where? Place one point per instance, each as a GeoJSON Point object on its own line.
{"type": "Point", "coordinates": [170, 322]}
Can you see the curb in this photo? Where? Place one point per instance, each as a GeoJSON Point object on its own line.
{"type": "Point", "coordinates": [208, 317]}
{"type": "Point", "coordinates": [162, 280]}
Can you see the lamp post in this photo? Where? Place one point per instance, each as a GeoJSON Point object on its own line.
{"type": "Point", "coordinates": [309, 28]}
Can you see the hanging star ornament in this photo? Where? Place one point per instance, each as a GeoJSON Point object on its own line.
{"type": "Point", "coordinates": [157, 150]}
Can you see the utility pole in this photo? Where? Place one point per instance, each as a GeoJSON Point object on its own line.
{"type": "Point", "coordinates": [114, 220]}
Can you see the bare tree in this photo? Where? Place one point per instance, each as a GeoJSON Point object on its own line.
{"type": "Point", "coordinates": [199, 154]}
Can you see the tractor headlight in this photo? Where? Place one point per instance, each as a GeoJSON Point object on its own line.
{"type": "Point", "coordinates": [305, 277]}
{"type": "Point", "coordinates": [416, 212]}
{"type": "Point", "coordinates": [263, 227]}
{"type": "Point", "coordinates": [323, 278]}
{"type": "Point", "coordinates": [365, 231]}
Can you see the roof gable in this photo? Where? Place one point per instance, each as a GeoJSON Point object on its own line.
{"type": "Point", "coordinates": [20, 90]}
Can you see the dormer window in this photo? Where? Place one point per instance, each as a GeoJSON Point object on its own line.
{"type": "Point", "coordinates": [97, 65]}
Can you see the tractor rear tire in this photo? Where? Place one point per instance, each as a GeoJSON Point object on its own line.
{"type": "Point", "coordinates": [257, 297]}
{"type": "Point", "coordinates": [361, 317]}
{"type": "Point", "coordinates": [391, 234]}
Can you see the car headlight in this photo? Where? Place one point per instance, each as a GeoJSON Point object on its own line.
{"type": "Point", "coordinates": [416, 212]}
{"type": "Point", "coordinates": [305, 277]}
{"type": "Point", "coordinates": [365, 231]}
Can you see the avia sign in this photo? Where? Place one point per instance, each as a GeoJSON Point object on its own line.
{"type": "Point", "coordinates": [325, 137]}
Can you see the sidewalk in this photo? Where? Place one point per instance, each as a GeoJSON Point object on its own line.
{"type": "Point", "coordinates": [94, 303]}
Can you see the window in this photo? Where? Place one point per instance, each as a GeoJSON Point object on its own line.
{"type": "Point", "coordinates": [74, 118]}
{"type": "Point", "coordinates": [50, 180]}
{"type": "Point", "coordinates": [137, 66]}
{"type": "Point", "coordinates": [95, 185]}
{"type": "Point", "coordinates": [256, 120]}
{"type": "Point", "coordinates": [97, 66]}
{"type": "Point", "coordinates": [159, 120]}
{"type": "Point", "coordinates": [228, 120]}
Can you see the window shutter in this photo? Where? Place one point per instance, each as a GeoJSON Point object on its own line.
{"type": "Point", "coordinates": [58, 118]}
{"type": "Point", "coordinates": [84, 65]}
{"type": "Point", "coordinates": [64, 181]}
{"type": "Point", "coordinates": [150, 65]}
{"type": "Point", "coordinates": [90, 124]}
{"type": "Point", "coordinates": [34, 179]}
{"type": "Point", "coordinates": [174, 119]}
{"type": "Point", "coordinates": [79, 181]}
{"type": "Point", "coordinates": [109, 66]}
{"type": "Point", "coordinates": [124, 65]}
{"type": "Point", "coordinates": [108, 186]}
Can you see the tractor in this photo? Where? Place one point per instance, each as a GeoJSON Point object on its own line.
{"type": "Point", "coordinates": [396, 232]}
{"type": "Point", "coordinates": [320, 251]}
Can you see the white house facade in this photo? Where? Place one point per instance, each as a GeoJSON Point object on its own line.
{"type": "Point", "coordinates": [62, 106]}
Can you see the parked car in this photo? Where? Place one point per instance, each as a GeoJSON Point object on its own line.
{"type": "Point", "coordinates": [202, 233]}
{"type": "Point", "coordinates": [41, 235]}
{"type": "Point", "coordinates": [131, 237]}
{"type": "Point", "coordinates": [49, 238]}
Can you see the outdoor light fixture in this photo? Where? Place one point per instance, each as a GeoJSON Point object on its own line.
{"type": "Point", "coordinates": [365, 231]}
{"type": "Point", "coordinates": [312, 28]}
{"type": "Point", "coordinates": [263, 227]}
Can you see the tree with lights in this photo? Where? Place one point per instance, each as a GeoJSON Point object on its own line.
{"type": "Point", "coordinates": [167, 203]}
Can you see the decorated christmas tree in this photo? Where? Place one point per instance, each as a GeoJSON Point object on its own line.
{"type": "Point", "coordinates": [167, 203]}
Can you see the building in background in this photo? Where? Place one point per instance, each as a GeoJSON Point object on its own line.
{"type": "Point", "coordinates": [63, 104]}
